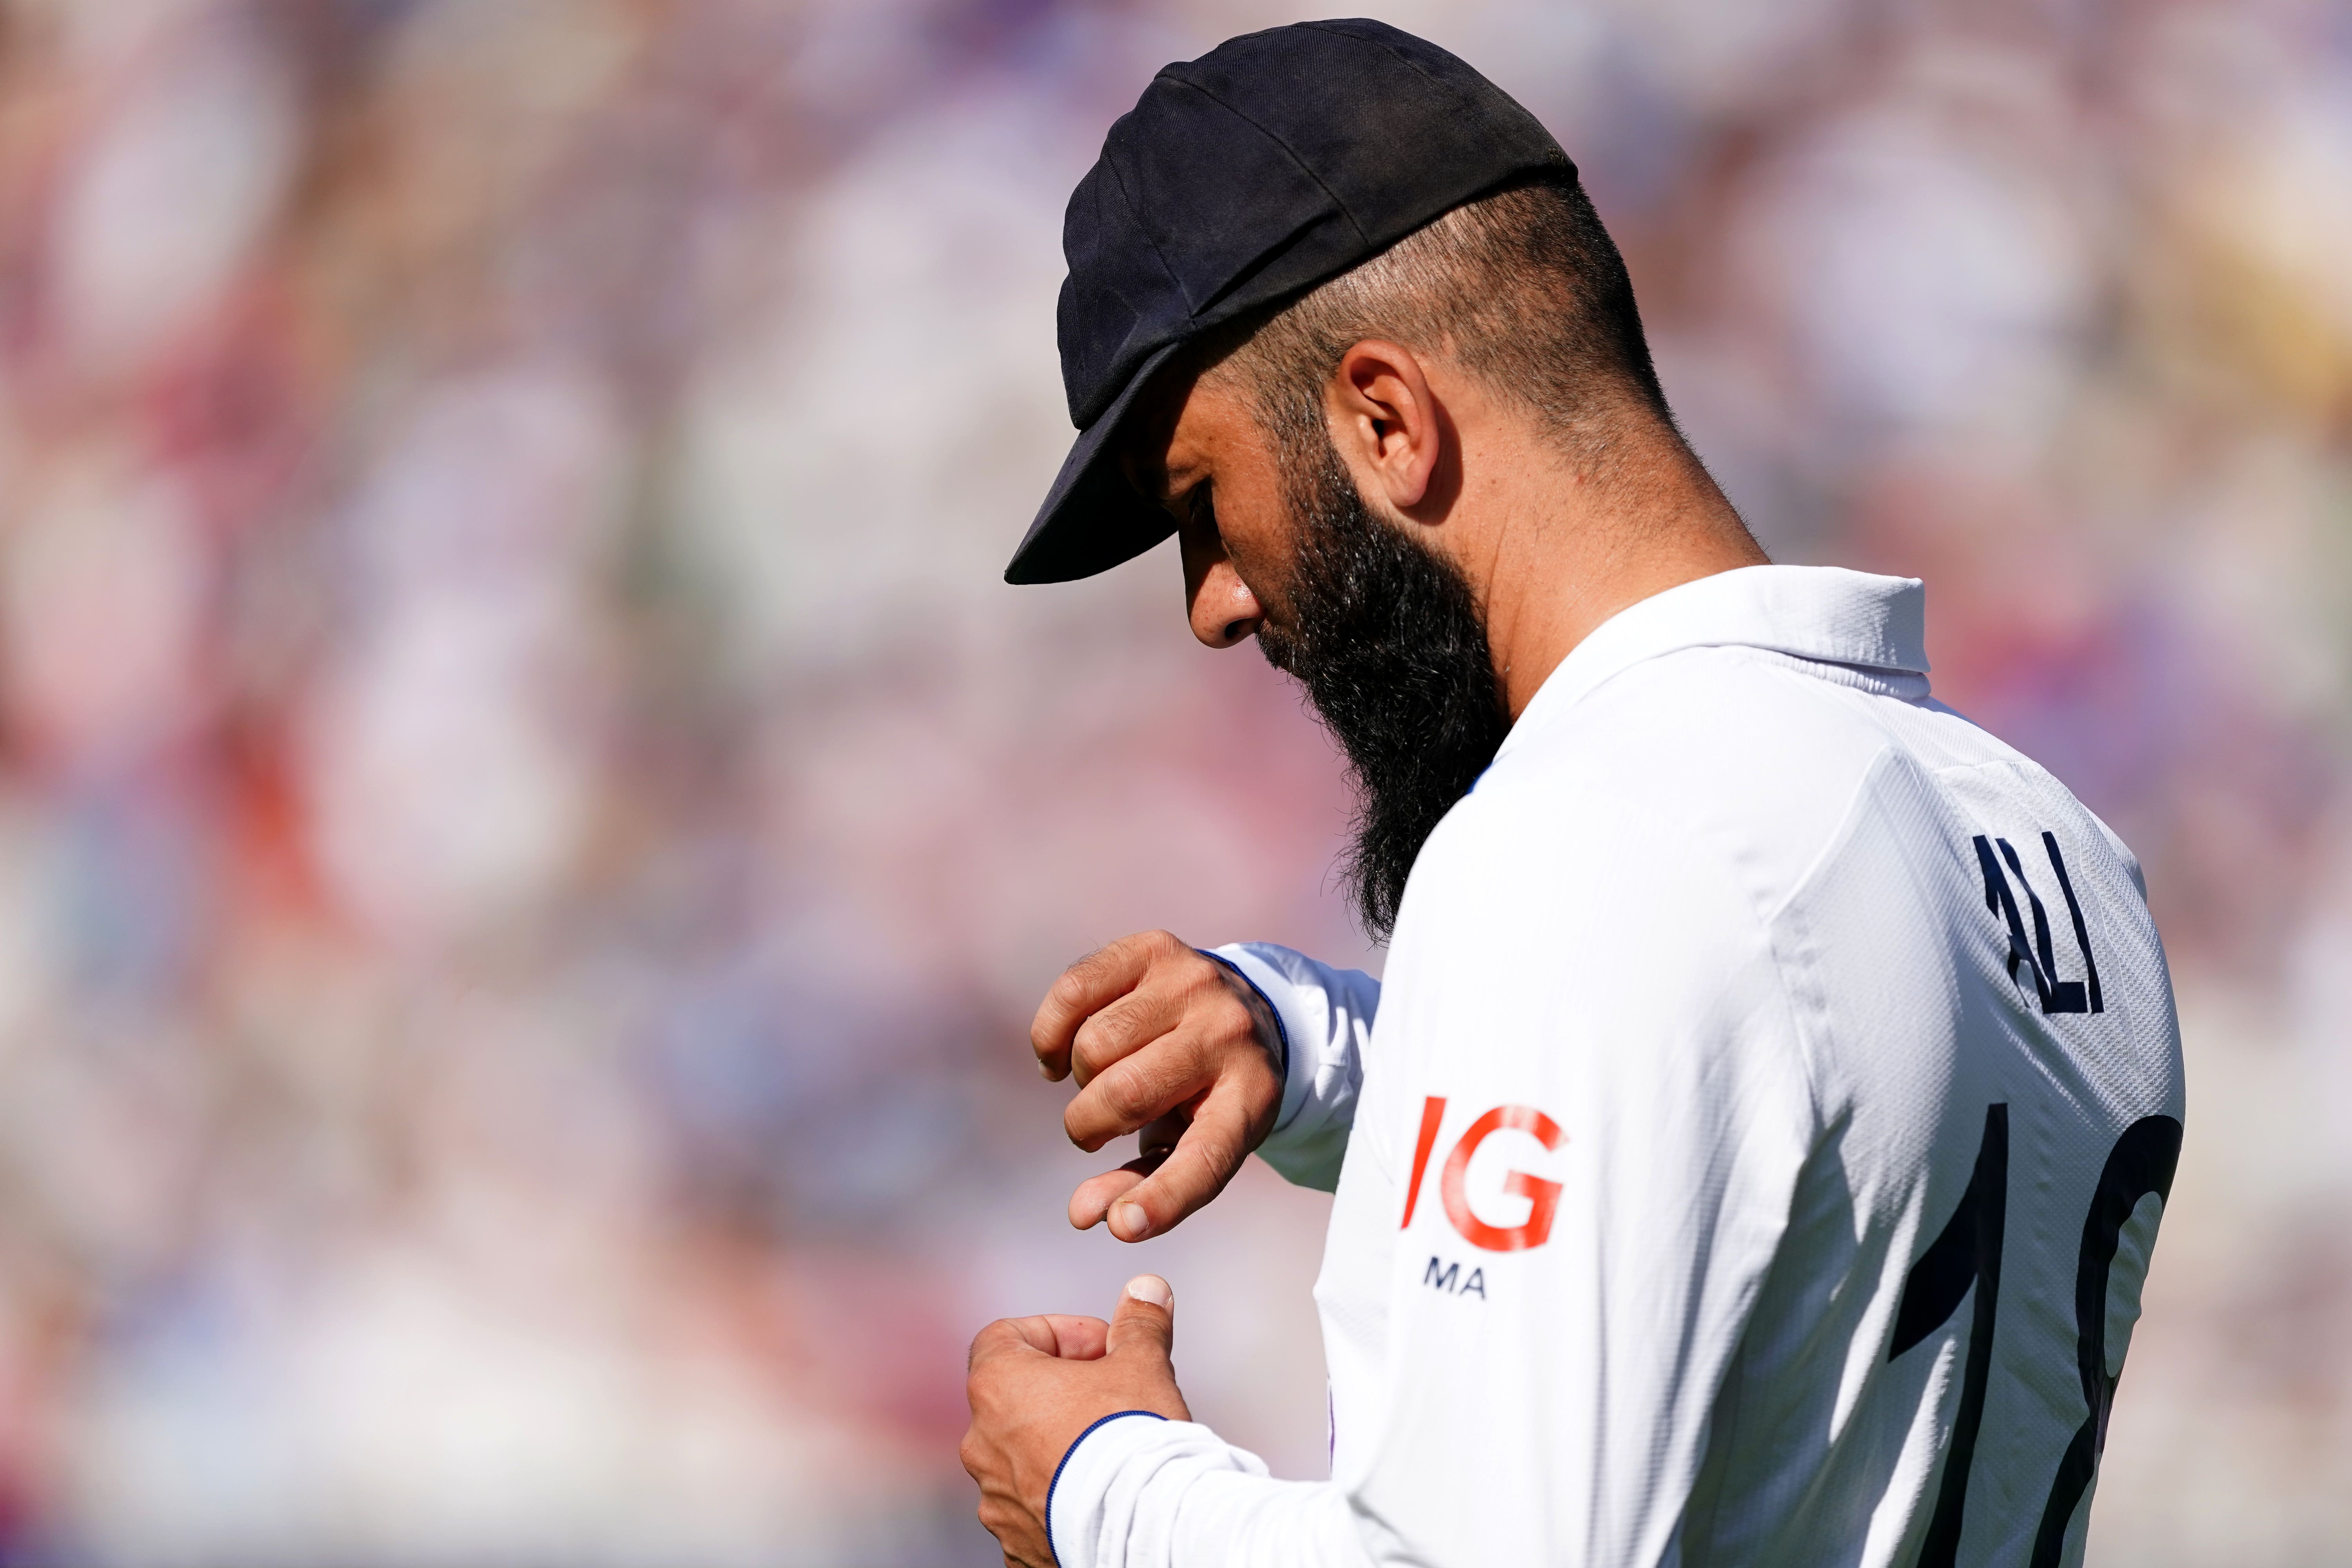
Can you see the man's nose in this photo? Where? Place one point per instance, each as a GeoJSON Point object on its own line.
{"type": "Point", "coordinates": [1223, 610]}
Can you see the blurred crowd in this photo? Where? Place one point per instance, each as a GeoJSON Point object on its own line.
{"type": "Point", "coordinates": [531, 829]}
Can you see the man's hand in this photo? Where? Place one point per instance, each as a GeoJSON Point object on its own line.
{"type": "Point", "coordinates": [1037, 1383]}
{"type": "Point", "coordinates": [1176, 1045]}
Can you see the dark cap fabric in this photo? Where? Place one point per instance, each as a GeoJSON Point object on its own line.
{"type": "Point", "coordinates": [1273, 162]}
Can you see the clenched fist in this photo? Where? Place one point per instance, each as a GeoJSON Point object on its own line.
{"type": "Point", "coordinates": [1036, 1384]}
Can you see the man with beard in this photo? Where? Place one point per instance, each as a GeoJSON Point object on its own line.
{"type": "Point", "coordinates": [1775, 1088]}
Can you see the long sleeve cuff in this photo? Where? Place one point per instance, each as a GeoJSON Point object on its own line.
{"type": "Point", "coordinates": [1103, 1492]}
{"type": "Point", "coordinates": [1326, 1015]}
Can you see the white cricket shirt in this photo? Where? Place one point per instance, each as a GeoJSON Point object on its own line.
{"type": "Point", "coordinates": [1756, 1155]}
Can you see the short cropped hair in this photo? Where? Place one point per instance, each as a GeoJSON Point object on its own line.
{"type": "Point", "coordinates": [1522, 287]}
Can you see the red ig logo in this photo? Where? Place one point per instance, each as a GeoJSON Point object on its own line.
{"type": "Point", "coordinates": [1542, 1196]}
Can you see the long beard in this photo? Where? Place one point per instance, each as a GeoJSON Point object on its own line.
{"type": "Point", "coordinates": [1387, 641]}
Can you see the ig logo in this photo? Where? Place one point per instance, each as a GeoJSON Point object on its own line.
{"type": "Point", "coordinates": [1542, 1196]}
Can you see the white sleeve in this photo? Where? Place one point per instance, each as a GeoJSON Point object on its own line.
{"type": "Point", "coordinates": [1115, 1504]}
{"type": "Point", "coordinates": [1325, 1015]}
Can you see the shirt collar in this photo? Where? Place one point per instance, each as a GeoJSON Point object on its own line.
{"type": "Point", "coordinates": [1822, 614]}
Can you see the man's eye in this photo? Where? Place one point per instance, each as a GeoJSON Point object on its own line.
{"type": "Point", "coordinates": [1199, 506]}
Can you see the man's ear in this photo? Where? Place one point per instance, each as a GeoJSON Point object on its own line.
{"type": "Point", "coordinates": [1387, 425]}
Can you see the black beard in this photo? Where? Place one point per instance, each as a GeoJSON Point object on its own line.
{"type": "Point", "coordinates": [1387, 639]}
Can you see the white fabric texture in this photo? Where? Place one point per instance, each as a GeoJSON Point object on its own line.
{"type": "Point", "coordinates": [1712, 1079]}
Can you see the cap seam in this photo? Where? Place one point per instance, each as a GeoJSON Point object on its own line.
{"type": "Point", "coordinates": [1453, 90]}
{"type": "Point", "coordinates": [1288, 150]}
{"type": "Point", "coordinates": [1324, 25]}
{"type": "Point", "coordinates": [1158, 255]}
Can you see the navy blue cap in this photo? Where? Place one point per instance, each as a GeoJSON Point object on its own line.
{"type": "Point", "coordinates": [1274, 161]}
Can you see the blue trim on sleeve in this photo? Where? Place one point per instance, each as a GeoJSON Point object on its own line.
{"type": "Point", "coordinates": [1064, 1465]}
{"type": "Point", "coordinates": [1281, 1029]}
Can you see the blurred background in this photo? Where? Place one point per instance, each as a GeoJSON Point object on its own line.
{"type": "Point", "coordinates": [531, 829]}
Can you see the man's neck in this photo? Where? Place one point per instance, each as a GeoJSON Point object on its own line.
{"type": "Point", "coordinates": [1557, 552]}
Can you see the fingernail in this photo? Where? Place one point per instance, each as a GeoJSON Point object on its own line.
{"type": "Point", "coordinates": [1151, 1289]}
{"type": "Point", "coordinates": [1130, 1223]}
{"type": "Point", "coordinates": [1046, 1070]}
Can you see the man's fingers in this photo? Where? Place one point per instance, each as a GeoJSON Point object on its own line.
{"type": "Point", "coordinates": [1053, 1334]}
{"type": "Point", "coordinates": [1146, 1087]}
{"type": "Point", "coordinates": [1087, 986]}
{"type": "Point", "coordinates": [1124, 1026]}
{"type": "Point", "coordinates": [1212, 1148]}
{"type": "Point", "coordinates": [1077, 1338]}
{"type": "Point", "coordinates": [1144, 1323]}
{"type": "Point", "coordinates": [1097, 1194]}
{"type": "Point", "coordinates": [1006, 1336]}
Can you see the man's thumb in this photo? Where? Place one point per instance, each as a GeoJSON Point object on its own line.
{"type": "Point", "coordinates": [1145, 1320]}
